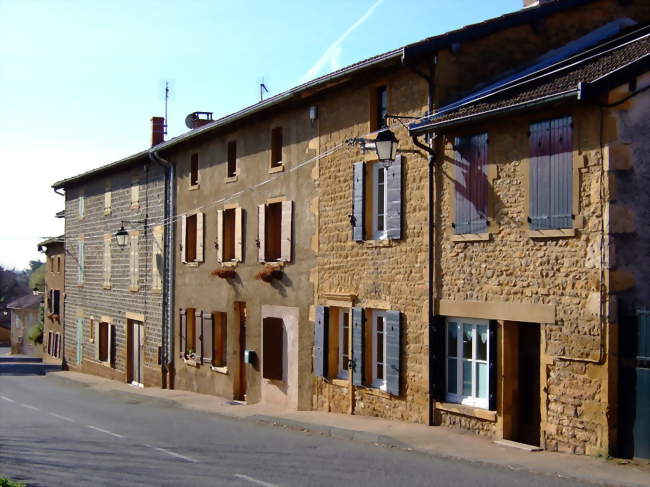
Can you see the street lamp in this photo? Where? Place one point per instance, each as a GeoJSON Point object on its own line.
{"type": "Point", "coordinates": [386, 145]}
{"type": "Point", "coordinates": [122, 237]}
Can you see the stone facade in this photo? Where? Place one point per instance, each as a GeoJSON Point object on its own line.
{"type": "Point", "coordinates": [122, 293]}
{"type": "Point", "coordinates": [53, 316]}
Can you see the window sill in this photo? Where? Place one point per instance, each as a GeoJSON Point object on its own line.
{"type": "Point", "coordinates": [471, 237]}
{"type": "Point", "coordinates": [156, 291]}
{"type": "Point", "coordinates": [371, 244]}
{"type": "Point", "coordinates": [219, 370]}
{"type": "Point", "coordinates": [275, 263]}
{"type": "Point", "coordinates": [278, 168]}
{"type": "Point", "coordinates": [135, 206]}
{"type": "Point", "coordinates": [559, 233]}
{"type": "Point", "coordinates": [194, 187]}
{"type": "Point", "coordinates": [470, 411]}
{"type": "Point", "coordinates": [134, 289]}
{"type": "Point", "coordinates": [337, 381]}
{"type": "Point", "coordinates": [107, 212]}
{"type": "Point", "coordinates": [191, 264]}
{"type": "Point", "coordinates": [191, 362]}
{"type": "Point", "coordinates": [106, 286]}
{"type": "Point", "coordinates": [229, 263]}
{"type": "Point", "coordinates": [232, 179]}
{"type": "Point", "coordinates": [373, 391]}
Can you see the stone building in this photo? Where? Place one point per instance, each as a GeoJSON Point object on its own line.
{"type": "Point", "coordinates": [113, 306]}
{"type": "Point", "coordinates": [24, 313]}
{"type": "Point", "coordinates": [53, 318]}
{"type": "Point", "coordinates": [528, 233]}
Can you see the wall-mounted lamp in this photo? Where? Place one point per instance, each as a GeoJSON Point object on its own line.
{"type": "Point", "coordinates": [122, 235]}
{"type": "Point", "coordinates": [385, 145]}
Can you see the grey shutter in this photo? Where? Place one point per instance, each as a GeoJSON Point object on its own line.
{"type": "Point", "coordinates": [261, 229]}
{"type": "Point", "coordinates": [394, 197]}
{"type": "Point", "coordinates": [393, 325]}
{"type": "Point", "coordinates": [321, 329]}
{"type": "Point", "coordinates": [198, 333]}
{"type": "Point", "coordinates": [219, 235]}
{"type": "Point", "coordinates": [539, 175]}
{"type": "Point", "coordinates": [200, 220]}
{"type": "Point", "coordinates": [183, 330]}
{"type": "Point", "coordinates": [437, 358]}
{"type": "Point", "coordinates": [95, 324]}
{"type": "Point", "coordinates": [492, 364]}
{"type": "Point", "coordinates": [357, 346]}
{"type": "Point", "coordinates": [286, 231]}
{"type": "Point", "coordinates": [471, 188]}
{"type": "Point", "coordinates": [561, 173]}
{"type": "Point", "coordinates": [183, 239]}
{"type": "Point", "coordinates": [358, 201]}
{"type": "Point", "coordinates": [207, 327]}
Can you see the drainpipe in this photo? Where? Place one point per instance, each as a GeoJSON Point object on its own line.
{"type": "Point", "coordinates": [430, 79]}
{"type": "Point", "coordinates": [168, 293]}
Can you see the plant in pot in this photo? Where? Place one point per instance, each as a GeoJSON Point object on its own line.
{"type": "Point", "coordinates": [224, 272]}
{"type": "Point", "coordinates": [268, 273]}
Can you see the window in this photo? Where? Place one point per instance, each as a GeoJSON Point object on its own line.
{"type": "Point", "coordinates": [551, 174]}
{"type": "Point", "coordinates": [107, 261]}
{"type": "Point", "coordinates": [58, 264]}
{"type": "Point", "coordinates": [471, 184]}
{"type": "Point", "coordinates": [468, 358]}
{"type": "Point", "coordinates": [135, 192]}
{"type": "Point", "coordinates": [157, 264]}
{"type": "Point", "coordinates": [275, 231]}
{"type": "Point", "coordinates": [82, 206]}
{"type": "Point", "coordinates": [54, 301]}
{"type": "Point", "coordinates": [51, 260]}
{"type": "Point", "coordinates": [230, 235]}
{"type": "Point", "coordinates": [232, 159]}
{"type": "Point", "coordinates": [108, 196]}
{"type": "Point", "coordinates": [332, 342]}
{"type": "Point", "coordinates": [378, 345]}
{"type": "Point", "coordinates": [216, 335]}
{"type": "Point", "coordinates": [273, 338]}
{"type": "Point", "coordinates": [192, 238]}
{"type": "Point", "coordinates": [344, 343]}
{"type": "Point", "coordinates": [50, 343]}
{"type": "Point", "coordinates": [276, 147]}
{"type": "Point", "coordinates": [134, 262]}
{"type": "Point", "coordinates": [104, 334]}
{"type": "Point", "coordinates": [377, 201]}
{"type": "Point", "coordinates": [378, 107]}
{"type": "Point", "coordinates": [194, 170]}
{"type": "Point", "coordinates": [80, 261]}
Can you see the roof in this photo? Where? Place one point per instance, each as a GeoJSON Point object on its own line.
{"type": "Point", "coordinates": [403, 54]}
{"type": "Point", "coordinates": [26, 301]}
{"type": "Point", "coordinates": [608, 64]}
{"type": "Point", "coordinates": [51, 241]}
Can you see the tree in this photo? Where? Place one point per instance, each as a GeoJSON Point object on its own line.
{"type": "Point", "coordinates": [13, 284]}
{"type": "Point", "coordinates": [37, 275]}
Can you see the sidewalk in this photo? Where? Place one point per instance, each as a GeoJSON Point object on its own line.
{"type": "Point", "coordinates": [437, 441]}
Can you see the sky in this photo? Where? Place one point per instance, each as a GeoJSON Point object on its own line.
{"type": "Point", "coordinates": [80, 79]}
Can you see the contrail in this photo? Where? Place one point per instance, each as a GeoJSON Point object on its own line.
{"type": "Point", "coordinates": [333, 53]}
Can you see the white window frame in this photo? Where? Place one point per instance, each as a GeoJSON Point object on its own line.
{"type": "Point", "coordinates": [343, 372]}
{"type": "Point", "coordinates": [458, 397]}
{"type": "Point", "coordinates": [378, 234]}
{"type": "Point", "coordinates": [378, 382]}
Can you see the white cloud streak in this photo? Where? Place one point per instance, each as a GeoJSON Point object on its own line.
{"type": "Point", "coordinates": [331, 58]}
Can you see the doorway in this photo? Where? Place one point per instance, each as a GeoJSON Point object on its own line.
{"type": "Point", "coordinates": [135, 352]}
{"type": "Point", "coordinates": [527, 426]}
{"type": "Point", "coordinates": [240, 383]}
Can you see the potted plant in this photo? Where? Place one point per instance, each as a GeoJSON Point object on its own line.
{"type": "Point", "coordinates": [268, 273]}
{"type": "Point", "coordinates": [224, 272]}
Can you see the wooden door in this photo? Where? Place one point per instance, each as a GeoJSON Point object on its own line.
{"type": "Point", "coordinates": [529, 417]}
{"type": "Point", "coordinates": [136, 352]}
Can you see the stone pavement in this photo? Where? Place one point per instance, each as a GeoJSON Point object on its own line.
{"type": "Point", "coordinates": [438, 441]}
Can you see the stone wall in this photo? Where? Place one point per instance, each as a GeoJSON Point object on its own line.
{"type": "Point", "coordinates": [54, 280]}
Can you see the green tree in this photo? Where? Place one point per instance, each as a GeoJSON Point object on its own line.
{"type": "Point", "coordinates": [37, 275]}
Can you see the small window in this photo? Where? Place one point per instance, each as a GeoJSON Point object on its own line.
{"type": "Point", "coordinates": [80, 262]}
{"type": "Point", "coordinates": [378, 345]}
{"type": "Point", "coordinates": [378, 108]}
{"type": "Point", "coordinates": [192, 238]}
{"type": "Point", "coordinates": [276, 147]}
{"type": "Point", "coordinates": [58, 264]}
{"type": "Point", "coordinates": [194, 169]}
{"type": "Point", "coordinates": [56, 302]}
{"type": "Point", "coordinates": [157, 264]}
{"type": "Point", "coordinates": [190, 331]}
{"type": "Point", "coordinates": [232, 159]}
{"type": "Point", "coordinates": [108, 200]}
{"type": "Point", "coordinates": [379, 201]}
{"type": "Point", "coordinates": [107, 261]}
{"type": "Point", "coordinates": [135, 192]}
{"type": "Point", "coordinates": [220, 345]}
{"type": "Point", "coordinates": [104, 342]}
{"type": "Point", "coordinates": [82, 206]}
{"type": "Point", "coordinates": [51, 261]}
{"type": "Point", "coordinates": [134, 262]}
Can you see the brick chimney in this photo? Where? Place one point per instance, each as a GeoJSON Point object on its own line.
{"type": "Point", "coordinates": [157, 130]}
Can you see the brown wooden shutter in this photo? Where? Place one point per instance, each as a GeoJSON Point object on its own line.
{"type": "Point", "coordinates": [272, 348]}
{"type": "Point", "coordinates": [221, 339]}
{"type": "Point", "coordinates": [198, 333]}
{"type": "Point", "coordinates": [184, 239]}
{"type": "Point", "coordinates": [358, 201]}
{"type": "Point", "coordinates": [200, 217]}
{"type": "Point", "coordinates": [358, 343]}
{"type": "Point", "coordinates": [321, 333]}
{"type": "Point", "coordinates": [183, 332]}
{"type": "Point", "coordinates": [261, 228]}
{"type": "Point", "coordinates": [286, 231]}
{"type": "Point", "coordinates": [239, 235]}
{"type": "Point", "coordinates": [219, 235]}
{"type": "Point", "coordinates": [111, 345]}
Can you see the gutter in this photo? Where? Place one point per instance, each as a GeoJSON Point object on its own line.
{"type": "Point", "coordinates": [167, 358]}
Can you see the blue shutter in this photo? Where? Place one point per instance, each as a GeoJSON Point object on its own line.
{"type": "Point", "coordinates": [358, 201]}
{"type": "Point", "coordinates": [471, 188]}
{"type": "Point", "coordinates": [492, 364]}
{"type": "Point", "coordinates": [393, 325]}
{"type": "Point", "coordinates": [321, 328]}
{"type": "Point", "coordinates": [357, 346]}
{"type": "Point", "coordinates": [394, 199]}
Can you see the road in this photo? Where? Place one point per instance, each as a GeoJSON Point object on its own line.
{"type": "Point", "coordinates": [60, 434]}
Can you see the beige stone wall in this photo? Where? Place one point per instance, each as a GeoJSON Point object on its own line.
{"type": "Point", "coordinates": [512, 269]}
{"type": "Point", "coordinates": [54, 279]}
{"type": "Point", "coordinates": [391, 276]}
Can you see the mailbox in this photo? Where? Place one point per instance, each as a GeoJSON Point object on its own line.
{"type": "Point", "coordinates": [249, 356]}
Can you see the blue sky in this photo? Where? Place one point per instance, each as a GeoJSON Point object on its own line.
{"type": "Point", "coordinates": [80, 79]}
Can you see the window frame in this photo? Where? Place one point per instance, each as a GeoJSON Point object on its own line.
{"type": "Point", "coordinates": [232, 169]}
{"type": "Point", "coordinates": [376, 233]}
{"type": "Point", "coordinates": [343, 371]}
{"type": "Point", "coordinates": [193, 173]}
{"type": "Point", "coordinates": [276, 156]}
{"type": "Point", "coordinates": [377, 382]}
{"type": "Point", "coordinates": [473, 400]}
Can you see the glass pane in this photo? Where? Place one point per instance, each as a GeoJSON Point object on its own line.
{"type": "Point", "coordinates": [467, 377]}
{"type": "Point", "coordinates": [482, 380]}
{"type": "Point", "coordinates": [452, 376]}
{"type": "Point", "coordinates": [481, 343]}
{"type": "Point", "coordinates": [452, 339]}
{"type": "Point", "coordinates": [467, 341]}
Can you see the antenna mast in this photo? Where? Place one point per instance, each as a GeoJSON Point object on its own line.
{"type": "Point", "coordinates": [263, 89]}
{"type": "Point", "coordinates": [166, 99]}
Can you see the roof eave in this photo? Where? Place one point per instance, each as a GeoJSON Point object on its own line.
{"type": "Point", "coordinates": [107, 168]}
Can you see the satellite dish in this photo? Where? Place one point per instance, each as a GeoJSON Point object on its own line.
{"type": "Point", "coordinates": [189, 120]}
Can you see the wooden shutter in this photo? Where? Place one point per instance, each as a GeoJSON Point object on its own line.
{"type": "Point", "coordinates": [394, 199]}
{"type": "Point", "coordinates": [50, 301]}
{"type": "Point", "coordinates": [95, 325]}
{"type": "Point", "coordinates": [393, 349]}
{"type": "Point", "coordinates": [49, 343]}
{"type": "Point", "coordinates": [199, 236]}
{"type": "Point", "coordinates": [207, 327]}
{"type": "Point", "coordinates": [437, 358]}
{"type": "Point", "coordinates": [272, 348]}
{"type": "Point", "coordinates": [539, 175]}
{"type": "Point", "coordinates": [184, 239]}
{"type": "Point", "coordinates": [107, 200]}
{"type": "Point", "coordinates": [261, 226]}
{"type": "Point", "coordinates": [286, 231]}
{"type": "Point", "coordinates": [239, 234]}
{"type": "Point", "coordinates": [58, 345]}
{"type": "Point", "coordinates": [183, 332]}
{"type": "Point", "coordinates": [219, 235]}
{"type": "Point", "coordinates": [471, 188]}
{"type": "Point", "coordinates": [358, 201]}
{"type": "Point", "coordinates": [321, 334]}
{"type": "Point", "coordinates": [111, 345]}
{"type": "Point", "coordinates": [80, 264]}
{"type": "Point", "coordinates": [198, 334]}
{"type": "Point", "coordinates": [492, 364]}
{"type": "Point", "coordinates": [561, 173]}
{"type": "Point", "coordinates": [357, 346]}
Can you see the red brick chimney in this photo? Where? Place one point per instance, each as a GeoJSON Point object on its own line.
{"type": "Point", "coordinates": [157, 130]}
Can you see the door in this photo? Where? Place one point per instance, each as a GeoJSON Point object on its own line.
{"type": "Point", "coordinates": [136, 352]}
{"type": "Point", "coordinates": [529, 418]}
{"type": "Point", "coordinates": [641, 429]}
{"type": "Point", "coordinates": [240, 391]}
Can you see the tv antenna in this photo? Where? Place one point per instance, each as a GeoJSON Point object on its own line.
{"type": "Point", "coordinates": [263, 89]}
{"type": "Point", "coordinates": [166, 100]}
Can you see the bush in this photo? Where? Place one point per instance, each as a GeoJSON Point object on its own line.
{"type": "Point", "coordinates": [36, 337]}
{"type": "Point", "coordinates": [11, 483]}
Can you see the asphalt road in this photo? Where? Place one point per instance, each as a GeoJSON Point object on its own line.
{"type": "Point", "coordinates": [59, 434]}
